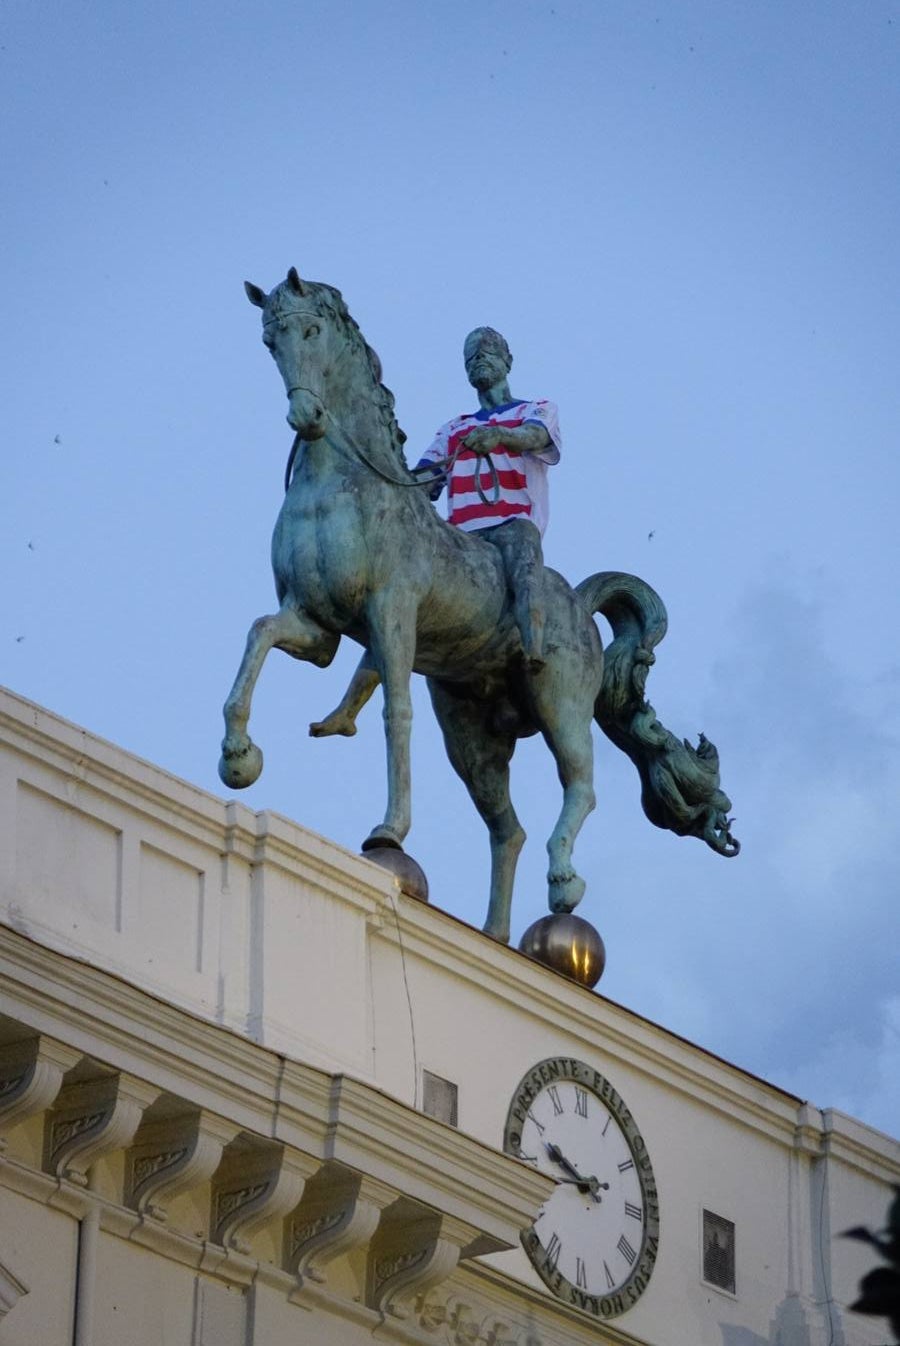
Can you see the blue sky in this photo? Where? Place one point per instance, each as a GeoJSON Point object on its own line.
{"type": "Point", "coordinates": [683, 216]}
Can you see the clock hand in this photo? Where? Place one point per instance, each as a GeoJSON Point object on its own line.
{"type": "Point", "coordinates": [583, 1184]}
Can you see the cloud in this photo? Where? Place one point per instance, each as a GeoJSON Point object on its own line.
{"type": "Point", "coordinates": [816, 782]}
{"type": "Point", "coordinates": [856, 1075]}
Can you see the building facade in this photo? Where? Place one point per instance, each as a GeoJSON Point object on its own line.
{"type": "Point", "coordinates": [252, 1095]}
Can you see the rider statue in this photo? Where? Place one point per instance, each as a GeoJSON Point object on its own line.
{"type": "Point", "coordinates": [506, 505]}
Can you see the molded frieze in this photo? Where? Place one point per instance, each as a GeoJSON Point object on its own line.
{"type": "Point", "coordinates": [340, 1212]}
{"type": "Point", "coordinates": [91, 1119]}
{"type": "Point", "coordinates": [170, 1157]}
{"type": "Point", "coordinates": [31, 1076]}
{"type": "Point", "coordinates": [461, 1323]}
{"type": "Point", "coordinates": [257, 1182]}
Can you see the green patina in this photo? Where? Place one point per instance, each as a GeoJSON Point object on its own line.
{"type": "Point", "coordinates": [356, 553]}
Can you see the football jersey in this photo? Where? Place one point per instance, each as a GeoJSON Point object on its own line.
{"type": "Point", "coordinates": [522, 476]}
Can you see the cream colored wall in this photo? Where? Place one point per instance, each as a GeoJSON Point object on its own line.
{"type": "Point", "coordinates": [259, 926]}
{"type": "Point", "coordinates": [38, 1245]}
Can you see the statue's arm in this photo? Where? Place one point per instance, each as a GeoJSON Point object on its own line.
{"type": "Point", "coordinates": [425, 467]}
{"type": "Point", "coordinates": [532, 437]}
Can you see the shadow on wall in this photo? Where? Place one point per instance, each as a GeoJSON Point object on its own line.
{"type": "Point", "coordinates": [789, 1328]}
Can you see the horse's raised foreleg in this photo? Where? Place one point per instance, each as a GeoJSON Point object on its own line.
{"type": "Point", "coordinates": [288, 630]}
{"type": "Point", "coordinates": [392, 645]}
{"type": "Point", "coordinates": [571, 744]}
{"type": "Point", "coordinates": [480, 754]}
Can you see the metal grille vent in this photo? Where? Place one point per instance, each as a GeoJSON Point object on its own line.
{"type": "Point", "coordinates": [718, 1251]}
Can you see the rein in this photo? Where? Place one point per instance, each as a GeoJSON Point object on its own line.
{"type": "Point", "coordinates": [443, 464]}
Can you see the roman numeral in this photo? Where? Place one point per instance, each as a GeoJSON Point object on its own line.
{"type": "Point", "coordinates": [554, 1248]}
{"type": "Point", "coordinates": [531, 1117]}
{"type": "Point", "coordinates": [626, 1165]}
{"type": "Point", "coordinates": [580, 1102]}
{"type": "Point", "coordinates": [554, 1099]}
{"type": "Point", "coordinates": [610, 1278]}
{"type": "Point", "coordinates": [606, 1128]}
{"type": "Point", "coordinates": [633, 1211]}
{"type": "Point", "coordinates": [626, 1250]}
{"type": "Point", "coordinates": [580, 1274]}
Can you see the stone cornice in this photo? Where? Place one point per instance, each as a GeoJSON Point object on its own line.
{"type": "Point", "coordinates": [372, 1132]}
{"type": "Point", "coordinates": [253, 1088]}
{"type": "Point", "coordinates": [852, 1143]}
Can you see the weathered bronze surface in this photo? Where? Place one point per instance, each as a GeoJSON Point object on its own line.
{"type": "Point", "coordinates": [358, 550]}
{"type": "Point", "coordinates": [568, 944]}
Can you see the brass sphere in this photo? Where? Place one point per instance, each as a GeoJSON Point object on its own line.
{"type": "Point", "coordinates": [409, 872]}
{"type": "Point", "coordinates": [567, 944]}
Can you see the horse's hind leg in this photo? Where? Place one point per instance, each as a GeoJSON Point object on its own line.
{"type": "Point", "coordinates": [573, 748]}
{"type": "Point", "coordinates": [480, 754]}
{"type": "Point", "coordinates": [288, 630]}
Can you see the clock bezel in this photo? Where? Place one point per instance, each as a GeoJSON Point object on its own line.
{"type": "Point", "coordinates": [540, 1077]}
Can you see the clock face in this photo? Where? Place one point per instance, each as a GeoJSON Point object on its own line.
{"type": "Point", "coordinates": [594, 1242]}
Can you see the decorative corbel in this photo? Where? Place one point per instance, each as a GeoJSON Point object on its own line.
{"type": "Point", "coordinates": [170, 1157]}
{"type": "Point", "coordinates": [91, 1119]}
{"type": "Point", "coordinates": [257, 1181]}
{"type": "Point", "coordinates": [414, 1249]}
{"type": "Point", "coordinates": [339, 1212]}
{"type": "Point", "coordinates": [31, 1076]}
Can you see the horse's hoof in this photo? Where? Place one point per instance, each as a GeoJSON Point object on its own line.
{"type": "Point", "coordinates": [332, 724]}
{"type": "Point", "coordinates": [382, 836]}
{"type": "Point", "coordinates": [239, 769]}
{"type": "Point", "coordinates": [565, 894]}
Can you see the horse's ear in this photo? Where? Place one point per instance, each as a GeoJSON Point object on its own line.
{"type": "Point", "coordinates": [255, 294]}
{"type": "Point", "coordinates": [295, 282]}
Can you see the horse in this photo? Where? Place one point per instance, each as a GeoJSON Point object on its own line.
{"type": "Point", "coordinates": [358, 550]}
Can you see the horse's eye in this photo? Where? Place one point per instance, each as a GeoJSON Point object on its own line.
{"type": "Point", "coordinates": [312, 331]}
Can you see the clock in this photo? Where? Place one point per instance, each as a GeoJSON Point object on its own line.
{"type": "Point", "coordinates": [594, 1241]}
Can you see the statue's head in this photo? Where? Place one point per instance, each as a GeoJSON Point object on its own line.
{"type": "Point", "coordinates": [488, 358]}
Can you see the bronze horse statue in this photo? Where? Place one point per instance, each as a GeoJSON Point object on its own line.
{"type": "Point", "coordinates": [358, 550]}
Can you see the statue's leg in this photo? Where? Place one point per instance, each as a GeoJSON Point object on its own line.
{"type": "Point", "coordinates": [480, 754]}
{"type": "Point", "coordinates": [287, 630]}
{"type": "Point", "coordinates": [519, 543]}
{"type": "Point", "coordinates": [342, 719]}
{"type": "Point", "coordinates": [567, 731]}
{"type": "Point", "coordinates": [392, 644]}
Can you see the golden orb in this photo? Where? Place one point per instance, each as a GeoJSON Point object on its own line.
{"type": "Point", "coordinates": [567, 944]}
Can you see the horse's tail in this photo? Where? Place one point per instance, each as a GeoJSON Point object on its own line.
{"type": "Point", "coordinates": [679, 783]}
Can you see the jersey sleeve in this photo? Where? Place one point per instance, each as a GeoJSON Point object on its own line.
{"type": "Point", "coordinates": [438, 447]}
{"type": "Point", "coordinates": [436, 453]}
{"type": "Point", "coordinates": [546, 414]}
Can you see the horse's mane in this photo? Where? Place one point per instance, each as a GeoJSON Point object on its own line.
{"type": "Point", "coordinates": [331, 301]}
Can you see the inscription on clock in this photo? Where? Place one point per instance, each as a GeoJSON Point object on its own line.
{"type": "Point", "coordinates": [594, 1242]}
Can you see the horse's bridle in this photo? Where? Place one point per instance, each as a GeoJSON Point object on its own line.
{"type": "Point", "coordinates": [444, 464]}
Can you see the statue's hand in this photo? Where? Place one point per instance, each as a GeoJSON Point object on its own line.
{"type": "Point", "coordinates": [483, 439]}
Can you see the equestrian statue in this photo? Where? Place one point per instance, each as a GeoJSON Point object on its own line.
{"type": "Point", "coordinates": [359, 550]}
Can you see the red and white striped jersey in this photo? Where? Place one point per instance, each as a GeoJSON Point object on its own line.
{"type": "Point", "coordinates": [523, 476]}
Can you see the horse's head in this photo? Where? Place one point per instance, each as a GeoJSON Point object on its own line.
{"type": "Point", "coordinates": [305, 342]}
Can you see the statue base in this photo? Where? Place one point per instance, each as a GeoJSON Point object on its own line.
{"type": "Point", "coordinates": [408, 871]}
{"type": "Point", "coordinates": [568, 944]}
